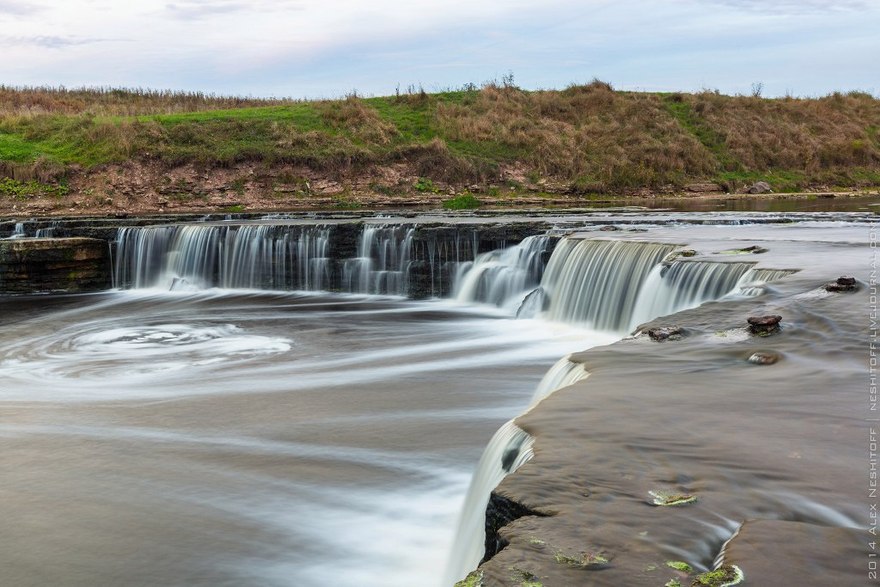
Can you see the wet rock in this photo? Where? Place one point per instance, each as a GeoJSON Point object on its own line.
{"type": "Point", "coordinates": [842, 284]}
{"type": "Point", "coordinates": [666, 333]}
{"type": "Point", "coordinates": [723, 576]}
{"type": "Point", "coordinates": [753, 250]}
{"type": "Point", "coordinates": [759, 187]}
{"type": "Point", "coordinates": [688, 253]}
{"type": "Point", "coordinates": [764, 325]}
{"type": "Point", "coordinates": [764, 358]}
{"type": "Point", "coordinates": [663, 498]}
{"type": "Point", "coordinates": [585, 560]}
{"type": "Point", "coordinates": [608, 228]}
{"type": "Point", "coordinates": [474, 579]}
{"type": "Point", "coordinates": [501, 511]}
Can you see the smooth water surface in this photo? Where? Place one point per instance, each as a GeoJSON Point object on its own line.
{"type": "Point", "coordinates": [234, 438]}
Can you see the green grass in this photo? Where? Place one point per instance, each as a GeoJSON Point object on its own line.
{"type": "Point", "coordinates": [16, 148]}
{"type": "Point", "coordinates": [462, 202]}
{"type": "Point", "coordinates": [348, 136]}
{"type": "Point", "coordinates": [21, 190]}
{"type": "Point", "coordinates": [681, 110]}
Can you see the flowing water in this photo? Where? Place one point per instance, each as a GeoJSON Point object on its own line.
{"type": "Point", "coordinates": [219, 421]}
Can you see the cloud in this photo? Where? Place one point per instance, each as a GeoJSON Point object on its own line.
{"type": "Point", "coordinates": [19, 8]}
{"type": "Point", "coordinates": [203, 9]}
{"type": "Point", "coordinates": [48, 41]}
{"type": "Point", "coordinates": [785, 7]}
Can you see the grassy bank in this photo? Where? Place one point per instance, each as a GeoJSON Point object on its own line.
{"type": "Point", "coordinates": [585, 139]}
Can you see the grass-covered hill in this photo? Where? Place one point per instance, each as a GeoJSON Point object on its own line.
{"type": "Point", "coordinates": [584, 139]}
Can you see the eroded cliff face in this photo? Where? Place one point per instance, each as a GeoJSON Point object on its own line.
{"type": "Point", "coordinates": [48, 265]}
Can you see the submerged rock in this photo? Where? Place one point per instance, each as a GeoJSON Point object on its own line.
{"type": "Point", "coordinates": [764, 358]}
{"type": "Point", "coordinates": [666, 333]}
{"type": "Point", "coordinates": [751, 250]}
{"type": "Point", "coordinates": [764, 325]}
{"type": "Point", "coordinates": [670, 498]}
{"type": "Point", "coordinates": [842, 284]}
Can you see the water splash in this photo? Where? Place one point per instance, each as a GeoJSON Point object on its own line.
{"type": "Point", "coordinates": [504, 277]}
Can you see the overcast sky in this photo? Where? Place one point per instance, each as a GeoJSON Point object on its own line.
{"type": "Point", "coordinates": [326, 48]}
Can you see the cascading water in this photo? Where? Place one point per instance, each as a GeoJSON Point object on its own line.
{"type": "Point", "coordinates": [382, 262]}
{"type": "Point", "coordinates": [754, 281]}
{"type": "Point", "coordinates": [505, 276]}
{"type": "Point", "coordinates": [596, 282]}
{"type": "Point", "coordinates": [680, 285]}
{"type": "Point", "coordinates": [245, 256]}
{"type": "Point", "coordinates": [508, 450]}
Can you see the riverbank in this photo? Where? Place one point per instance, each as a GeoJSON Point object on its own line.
{"type": "Point", "coordinates": [135, 152]}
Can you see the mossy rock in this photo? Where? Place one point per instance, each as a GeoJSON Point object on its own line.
{"type": "Point", "coordinates": [680, 566]}
{"type": "Point", "coordinates": [724, 576]}
{"type": "Point", "coordinates": [586, 560]}
{"type": "Point", "coordinates": [474, 579]}
{"type": "Point", "coordinates": [667, 498]}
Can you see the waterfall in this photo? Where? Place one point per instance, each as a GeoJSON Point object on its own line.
{"type": "Point", "coordinates": [508, 450]}
{"type": "Point", "coordinates": [680, 285]}
{"type": "Point", "coordinates": [19, 231]}
{"type": "Point", "coordinates": [596, 282]}
{"type": "Point", "coordinates": [563, 373]}
{"type": "Point", "coordinates": [245, 256]}
{"type": "Point", "coordinates": [382, 263]}
{"type": "Point", "coordinates": [503, 277]}
{"type": "Point", "coordinates": [752, 283]}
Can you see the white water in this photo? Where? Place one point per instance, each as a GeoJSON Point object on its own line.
{"type": "Point", "coordinates": [509, 449]}
{"type": "Point", "coordinates": [258, 256]}
{"type": "Point", "coordinates": [596, 283]}
{"type": "Point", "coordinates": [503, 277]}
{"type": "Point", "coordinates": [755, 280]}
{"type": "Point", "coordinates": [681, 285]}
{"type": "Point", "coordinates": [382, 263]}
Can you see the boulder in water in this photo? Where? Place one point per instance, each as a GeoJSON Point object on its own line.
{"type": "Point", "coordinates": [764, 358]}
{"type": "Point", "coordinates": [666, 333]}
{"type": "Point", "coordinates": [764, 325]}
{"type": "Point", "coordinates": [842, 284]}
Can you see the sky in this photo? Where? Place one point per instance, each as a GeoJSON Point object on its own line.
{"type": "Point", "coordinates": [329, 48]}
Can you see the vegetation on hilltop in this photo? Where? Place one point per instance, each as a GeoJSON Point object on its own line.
{"type": "Point", "coordinates": [586, 138]}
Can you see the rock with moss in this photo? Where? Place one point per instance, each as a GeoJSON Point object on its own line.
{"type": "Point", "coordinates": [586, 560]}
{"type": "Point", "coordinates": [724, 576]}
{"type": "Point", "coordinates": [680, 566]}
{"type": "Point", "coordinates": [474, 579]}
{"type": "Point", "coordinates": [671, 498]}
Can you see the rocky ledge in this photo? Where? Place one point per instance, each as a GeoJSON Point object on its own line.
{"type": "Point", "coordinates": [54, 265]}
